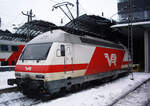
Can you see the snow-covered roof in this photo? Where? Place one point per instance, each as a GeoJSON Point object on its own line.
{"type": "Point", "coordinates": [10, 37]}
{"type": "Point", "coordinates": [35, 28]}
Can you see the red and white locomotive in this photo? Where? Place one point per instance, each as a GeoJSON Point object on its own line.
{"type": "Point", "coordinates": [10, 52]}
{"type": "Point", "coordinates": [57, 59]}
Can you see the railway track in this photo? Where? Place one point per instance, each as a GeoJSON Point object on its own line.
{"type": "Point", "coordinates": [127, 93]}
{"type": "Point", "coordinates": [7, 90]}
{"type": "Point", "coordinates": [7, 102]}
{"type": "Point", "coordinates": [23, 101]}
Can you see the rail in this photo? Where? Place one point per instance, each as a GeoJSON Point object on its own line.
{"type": "Point", "coordinates": [127, 93]}
{"type": "Point", "coordinates": [7, 90]}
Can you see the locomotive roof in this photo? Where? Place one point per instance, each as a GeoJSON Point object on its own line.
{"type": "Point", "coordinates": [59, 35]}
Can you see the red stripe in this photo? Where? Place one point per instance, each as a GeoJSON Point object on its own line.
{"type": "Point", "coordinates": [126, 62]}
{"type": "Point", "coordinates": [50, 68]}
{"type": "Point", "coordinates": [15, 55]}
{"type": "Point", "coordinates": [2, 59]}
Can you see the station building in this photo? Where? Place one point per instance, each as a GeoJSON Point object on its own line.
{"type": "Point", "coordinates": [138, 11]}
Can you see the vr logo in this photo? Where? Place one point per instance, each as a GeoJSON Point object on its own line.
{"type": "Point", "coordinates": [28, 68]}
{"type": "Point", "coordinates": [112, 59]}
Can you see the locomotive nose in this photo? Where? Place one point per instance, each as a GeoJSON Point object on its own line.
{"type": "Point", "coordinates": [29, 86]}
{"type": "Point", "coordinates": [35, 85]}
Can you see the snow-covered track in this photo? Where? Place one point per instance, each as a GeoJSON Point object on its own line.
{"type": "Point", "coordinates": [5, 103]}
{"type": "Point", "coordinates": [127, 93]}
{"type": "Point", "coordinates": [21, 101]}
{"type": "Point", "coordinates": [35, 102]}
{"type": "Point", "coordinates": [7, 90]}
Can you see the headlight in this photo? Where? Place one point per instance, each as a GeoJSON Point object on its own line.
{"type": "Point", "coordinates": [40, 76]}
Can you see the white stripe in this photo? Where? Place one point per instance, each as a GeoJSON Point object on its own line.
{"type": "Point", "coordinates": [53, 76]}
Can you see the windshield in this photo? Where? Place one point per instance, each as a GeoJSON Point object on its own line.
{"type": "Point", "coordinates": [36, 51]}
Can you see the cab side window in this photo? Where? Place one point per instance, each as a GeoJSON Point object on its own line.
{"type": "Point", "coordinates": [62, 47]}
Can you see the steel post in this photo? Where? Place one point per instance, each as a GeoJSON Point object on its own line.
{"type": "Point", "coordinates": [147, 50]}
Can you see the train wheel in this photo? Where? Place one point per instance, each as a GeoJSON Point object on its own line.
{"type": "Point", "coordinates": [69, 87]}
{"type": "Point", "coordinates": [77, 87]}
{"type": "Point", "coordinates": [74, 88]}
{"type": "Point", "coordinates": [46, 97]}
{"type": "Point", "coordinates": [62, 91]}
{"type": "Point", "coordinates": [85, 85]}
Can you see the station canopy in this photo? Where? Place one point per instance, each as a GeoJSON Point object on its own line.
{"type": "Point", "coordinates": [95, 26]}
{"type": "Point", "coordinates": [27, 31]}
{"type": "Point", "coordinates": [34, 28]}
{"type": "Point", "coordinates": [5, 35]}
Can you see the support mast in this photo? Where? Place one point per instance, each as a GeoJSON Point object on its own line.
{"type": "Point", "coordinates": [29, 14]}
{"type": "Point", "coordinates": [77, 3]}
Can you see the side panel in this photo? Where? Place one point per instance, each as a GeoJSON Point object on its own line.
{"type": "Point", "coordinates": [5, 55]}
{"type": "Point", "coordinates": [105, 59]}
{"type": "Point", "coordinates": [82, 54]}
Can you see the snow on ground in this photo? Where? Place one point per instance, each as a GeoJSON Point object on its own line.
{"type": "Point", "coordinates": [139, 97]}
{"type": "Point", "coordinates": [13, 99]}
{"type": "Point", "coordinates": [9, 96]}
{"type": "Point", "coordinates": [3, 78]}
{"type": "Point", "coordinates": [103, 95]}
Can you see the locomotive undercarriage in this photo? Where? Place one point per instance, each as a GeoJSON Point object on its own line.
{"type": "Point", "coordinates": [35, 88]}
{"type": "Point", "coordinates": [28, 86]}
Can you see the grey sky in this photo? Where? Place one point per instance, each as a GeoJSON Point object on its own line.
{"type": "Point", "coordinates": [10, 10]}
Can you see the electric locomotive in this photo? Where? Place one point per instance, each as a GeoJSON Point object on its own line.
{"type": "Point", "coordinates": [57, 59]}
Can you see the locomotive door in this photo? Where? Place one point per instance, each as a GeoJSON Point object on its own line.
{"type": "Point", "coordinates": [68, 60]}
